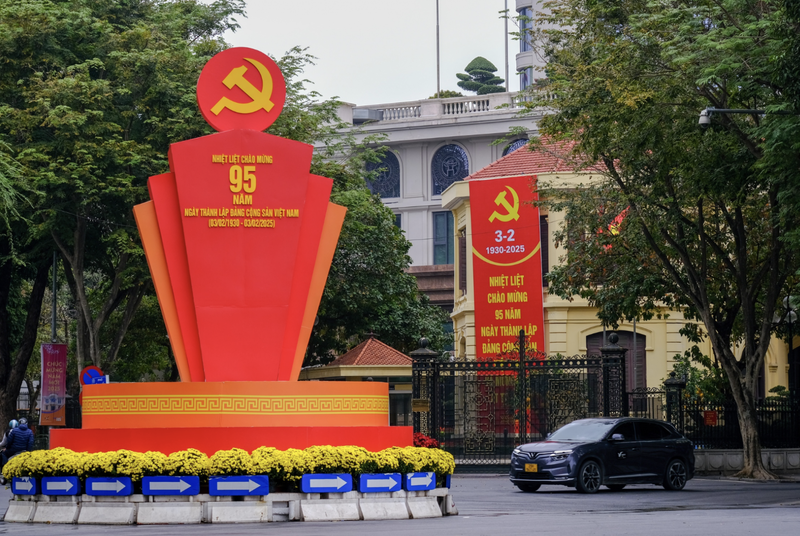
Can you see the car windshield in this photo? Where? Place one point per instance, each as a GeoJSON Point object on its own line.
{"type": "Point", "coordinates": [582, 431]}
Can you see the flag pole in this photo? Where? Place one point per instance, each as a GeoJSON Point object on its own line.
{"type": "Point", "coordinates": [505, 38]}
{"type": "Point", "coordinates": [438, 69]}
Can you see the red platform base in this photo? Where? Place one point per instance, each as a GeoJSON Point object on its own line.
{"type": "Point", "coordinates": [210, 440]}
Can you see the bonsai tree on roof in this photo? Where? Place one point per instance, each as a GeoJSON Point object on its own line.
{"type": "Point", "coordinates": [480, 77]}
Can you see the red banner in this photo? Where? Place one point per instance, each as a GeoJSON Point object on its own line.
{"type": "Point", "coordinates": [54, 385]}
{"type": "Point", "coordinates": [507, 263]}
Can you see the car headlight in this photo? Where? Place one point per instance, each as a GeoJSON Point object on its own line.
{"type": "Point", "coordinates": [516, 452]}
{"type": "Point", "coordinates": [560, 454]}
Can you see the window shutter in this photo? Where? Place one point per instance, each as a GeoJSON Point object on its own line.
{"type": "Point", "coordinates": [462, 263]}
{"type": "Point", "coordinates": [544, 232]}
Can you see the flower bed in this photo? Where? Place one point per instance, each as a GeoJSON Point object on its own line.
{"type": "Point", "coordinates": [284, 468]}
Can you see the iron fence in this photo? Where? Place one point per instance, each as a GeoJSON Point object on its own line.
{"type": "Point", "coordinates": [480, 410]}
{"type": "Point", "coordinates": [716, 426]}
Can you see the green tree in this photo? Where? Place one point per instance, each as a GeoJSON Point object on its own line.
{"type": "Point", "coordinates": [24, 268]}
{"type": "Point", "coordinates": [368, 289]}
{"type": "Point", "coordinates": [710, 211]}
{"type": "Point", "coordinates": [480, 77]}
{"type": "Point", "coordinates": [92, 94]}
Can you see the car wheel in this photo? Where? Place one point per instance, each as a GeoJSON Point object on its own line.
{"type": "Point", "coordinates": [615, 487]}
{"type": "Point", "coordinates": [528, 488]}
{"type": "Point", "coordinates": [590, 477]}
{"type": "Point", "coordinates": [675, 477]}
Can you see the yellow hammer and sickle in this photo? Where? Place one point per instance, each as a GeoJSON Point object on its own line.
{"type": "Point", "coordinates": [260, 98]}
{"type": "Point", "coordinates": [512, 212]}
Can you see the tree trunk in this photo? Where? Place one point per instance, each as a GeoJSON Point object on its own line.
{"type": "Point", "coordinates": [12, 372]}
{"type": "Point", "coordinates": [743, 389]}
{"type": "Point", "coordinates": [89, 325]}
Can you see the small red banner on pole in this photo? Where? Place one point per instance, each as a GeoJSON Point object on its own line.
{"type": "Point", "coordinates": [710, 418]}
{"type": "Point", "coordinates": [54, 385]}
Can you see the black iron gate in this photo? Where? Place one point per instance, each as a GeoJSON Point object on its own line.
{"type": "Point", "coordinates": [480, 410]}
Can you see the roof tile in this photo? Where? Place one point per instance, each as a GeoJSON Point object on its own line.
{"type": "Point", "coordinates": [549, 157]}
{"type": "Point", "coordinates": [372, 352]}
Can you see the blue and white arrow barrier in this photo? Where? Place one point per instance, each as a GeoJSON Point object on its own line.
{"type": "Point", "coordinates": [120, 486]}
{"type": "Point", "coordinates": [238, 485]}
{"type": "Point", "coordinates": [420, 481]}
{"type": "Point", "coordinates": [25, 485]}
{"type": "Point", "coordinates": [376, 483]}
{"type": "Point", "coordinates": [337, 483]}
{"type": "Point", "coordinates": [171, 485]}
{"type": "Point", "coordinates": [61, 485]}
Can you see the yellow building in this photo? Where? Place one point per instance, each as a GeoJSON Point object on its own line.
{"type": "Point", "coordinates": [572, 327]}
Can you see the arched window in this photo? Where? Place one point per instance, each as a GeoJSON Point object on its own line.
{"type": "Point", "coordinates": [449, 164]}
{"type": "Point", "coordinates": [387, 178]}
{"type": "Point", "coordinates": [514, 145]}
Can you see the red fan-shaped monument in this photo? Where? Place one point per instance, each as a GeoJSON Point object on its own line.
{"type": "Point", "coordinates": [239, 237]}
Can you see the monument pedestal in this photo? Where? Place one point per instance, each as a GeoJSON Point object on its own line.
{"type": "Point", "coordinates": [212, 416]}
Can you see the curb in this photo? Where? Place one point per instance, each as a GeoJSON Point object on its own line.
{"type": "Point", "coordinates": [196, 509]}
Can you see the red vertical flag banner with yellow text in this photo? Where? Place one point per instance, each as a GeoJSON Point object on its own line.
{"type": "Point", "coordinates": [507, 265]}
{"type": "Point", "coordinates": [54, 385]}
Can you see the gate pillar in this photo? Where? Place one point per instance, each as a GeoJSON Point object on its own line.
{"type": "Point", "coordinates": [674, 387]}
{"type": "Point", "coordinates": [423, 389]}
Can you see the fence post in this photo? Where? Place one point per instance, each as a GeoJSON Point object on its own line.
{"type": "Point", "coordinates": [614, 365]}
{"type": "Point", "coordinates": [423, 389]}
{"type": "Point", "coordinates": [674, 387]}
{"type": "Point", "coordinates": [523, 391]}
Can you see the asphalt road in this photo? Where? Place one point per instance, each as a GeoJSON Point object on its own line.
{"type": "Point", "coordinates": [490, 505]}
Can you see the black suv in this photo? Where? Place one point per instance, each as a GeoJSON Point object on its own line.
{"type": "Point", "coordinates": [590, 453]}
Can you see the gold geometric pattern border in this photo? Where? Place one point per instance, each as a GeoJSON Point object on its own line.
{"type": "Point", "coordinates": [227, 404]}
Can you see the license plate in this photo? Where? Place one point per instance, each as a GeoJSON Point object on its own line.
{"type": "Point", "coordinates": [531, 467]}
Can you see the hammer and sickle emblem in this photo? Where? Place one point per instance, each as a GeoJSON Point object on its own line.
{"type": "Point", "coordinates": [260, 99]}
{"type": "Point", "coordinates": [512, 212]}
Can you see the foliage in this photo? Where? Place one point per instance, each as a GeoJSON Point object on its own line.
{"type": "Point", "coordinates": [189, 462]}
{"type": "Point", "coordinates": [781, 393]}
{"type": "Point", "coordinates": [285, 468]}
{"type": "Point", "coordinates": [446, 94]}
{"type": "Point", "coordinates": [234, 462]}
{"type": "Point", "coordinates": [480, 77]}
{"type": "Point", "coordinates": [709, 211]}
{"type": "Point", "coordinates": [92, 95]}
{"type": "Point", "coordinates": [706, 383]}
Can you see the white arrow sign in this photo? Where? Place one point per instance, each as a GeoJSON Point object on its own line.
{"type": "Point", "coordinates": [66, 485]}
{"type": "Point", "coordinates": [381, 482]}
{"type": "Point", "coordinates": [326, 482]}
{"type": "Point", "coordinates": [25, 485]}
{"type": "Point", "coordinates": [421, 480]}
{"type": "Point", "coordinates": [115, 486]}
{"type": "Point", "coordinates": [180, 486]}
{"type": "Point", "coordinates": [248, 486]}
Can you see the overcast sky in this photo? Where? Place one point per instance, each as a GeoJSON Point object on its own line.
{"type": "Point", "coordinates": [381, 51]}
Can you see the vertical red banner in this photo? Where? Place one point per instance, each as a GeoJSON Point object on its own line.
{"type": "Point", "coordinates": [507, 264]}
{"type": "Point", "coordinates": [54, 385]}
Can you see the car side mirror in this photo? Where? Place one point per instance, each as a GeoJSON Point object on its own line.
{"type": "Point", "coordinates": [617, 437]}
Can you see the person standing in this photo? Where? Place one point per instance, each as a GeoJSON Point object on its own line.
{"type": "Point", "coordinates": [11, 425]}
{"type": "Point", "coordinates": [20, 439]}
